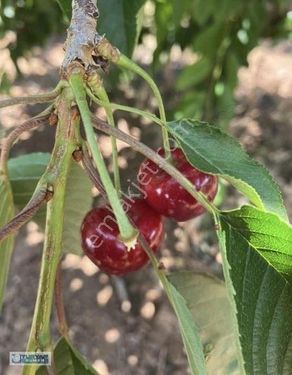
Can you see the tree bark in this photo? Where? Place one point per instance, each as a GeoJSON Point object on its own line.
{"type": "Point", "coordinates": [82, 36]}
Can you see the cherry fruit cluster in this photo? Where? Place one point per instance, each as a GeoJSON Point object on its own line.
{"type": "Point", "coordinates": [164, 196]}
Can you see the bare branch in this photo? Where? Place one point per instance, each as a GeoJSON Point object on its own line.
{"type": "Point", "coordinates": [8, 142]}
{"type": "Point", "coordinates": [92, 172]}
{"type": "Point", "coordinates": [32, 99]}
{"type": "Point", "coordinates": [41, 196]}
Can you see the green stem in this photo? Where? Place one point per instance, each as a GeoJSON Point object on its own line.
{"type": "Point", "coordinates": [125, 62]}
{"type": "Point", "coordinates": [127, 232]}
{"type": "Point", "coordinates": [125, 108]}
{"type": "Point", "coordinates": [56, 176]}
{"type": "Point", "coordinates": [100, 92]}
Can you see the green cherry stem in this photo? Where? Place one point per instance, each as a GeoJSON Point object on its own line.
{"type": "Point", "coordinates": [127, 232]}
{"type": "Point", "coordinates": [127, 63]}
{"type": "Point", "coordinates": [102, 95]}
{"type": "Point", "coordinates": [125, 108]}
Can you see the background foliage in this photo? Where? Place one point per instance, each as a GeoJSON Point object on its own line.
{"type": "Point", "coordinates": [221, 35]}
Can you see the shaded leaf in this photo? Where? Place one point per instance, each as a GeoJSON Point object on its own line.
{"type": "Point", "coordinates": [25, 172]}
{"type": "Point", "coordinates": [78, 201]}
{"type": "Point", "coordinates": [207, 299]}
{"type": "Point", "coordinates": [209, 39]}
{"type": "Point", "coordinates": [212, 151]}
{"type": "Point", "coordinates": [194, 74]}
{"type": "Point", "coordinates": [66, 7]}
{"type": "Point", "coordinates": [68, 361]}
{"type": "Point", "coordinates": [6, 246]}
{"type": "Point", "coordinates": [118, 20]}
{"type": "Point", "coordinates": [189, 331]}
{"type": "Point", "coordinates": [203, 10]}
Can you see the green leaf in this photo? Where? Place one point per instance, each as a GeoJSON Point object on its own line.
{"type": "Point", "coordinates": [194, 74]}
{"type": "Point", "coordinates": [266, 233]}
{"type": "Point", "coordinates": [78, 201]}
{"type": "Point", "coordinates": [207, 299]}
{"type": "Point", "coordinates": [118, 20]}
{"type": "Point", "coordinates": [24, 173]}
{"type": "Point", "coordinates": [6, 246]}
{"type": "Point", "coordinates": [262, 297]}
{"type": "Point", "coordinates": [203, 10]}
{"type": "Point", "coordinates": [209, 39]}
{"type": "Point", "coordinates": [212, 151]}
{"type": "Point", "coordinates": [189, 331]}
{"type": "Point", "coordinates": [26, 170]}
{"type": "Point", "coordinates": [66, 7]}
{"type": "Point", "coordinates": [68, 361]}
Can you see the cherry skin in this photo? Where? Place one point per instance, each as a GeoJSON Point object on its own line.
{"type": "Point", "coordinates": [166, 196]}
{"type": "Point", "coordinates": [101, 243]}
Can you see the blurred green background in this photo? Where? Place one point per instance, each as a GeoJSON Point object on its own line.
{"type": "Point", "coordinates": [216, 36]}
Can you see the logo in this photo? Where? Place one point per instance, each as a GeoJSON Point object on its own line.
{"type": "Point", "coordinates": [29, 358]}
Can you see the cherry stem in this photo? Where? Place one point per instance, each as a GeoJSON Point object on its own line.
{"type": "Point", "coordinates": [128, 234]}
{"type": "Point", "coordinates": [40, 196]}
{"type": "Point", "coordinates": [33, 99]}
{"type": "Point", "coordinates": [59, 303]}
{"type": "Point", "coordinates": [157, 159]}
{"type": "Point", "coordinates": [127, 63]}
{"type": "Point", "coordinates": [100, 92]}
{"type": "Point", "coordinates": [8, 142]}
{"type": "Point", "coordinates": [125, 108]}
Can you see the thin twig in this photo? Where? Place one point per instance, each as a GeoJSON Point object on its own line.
{"type": "Point", "coordinates": [32, 99]}
{"type": "Point", "coordinates": [41, 196]}
{"type": "Point", "coordinates": [13, 136]}
{"type": "Point", "coordinates": [59, 303]}
{"type": "Point", "coordinates": [156, 158]}
{"type": "Point", "coordinates": [92, 172]}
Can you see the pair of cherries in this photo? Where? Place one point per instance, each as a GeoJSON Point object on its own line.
{"type": "Point", "coordinates": [164, 196]}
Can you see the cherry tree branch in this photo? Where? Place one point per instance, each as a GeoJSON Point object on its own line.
{"type": "Point", "coordinates": [41, 196]}
{"type": "Point", "coordinates": [82, 36]}
{"type": "Point", "coordinates": [8, 142]}
{"type": "Point", "coordinates": [33, 99]}
{"type": "Point", "coordinates": [92, 172]}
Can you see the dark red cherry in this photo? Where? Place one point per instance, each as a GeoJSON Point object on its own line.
{"type": "Point", "coordinates": [166, 196]}
{"type": "Point", "coordinates": [101, 243]}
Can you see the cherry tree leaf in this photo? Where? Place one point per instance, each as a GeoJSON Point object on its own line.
{"type": "Point", "coordinates": [26, 170]}
{"type": "Point", "coordinates": [207, 299]}
{"type": "Point", "coordinates": [188, 330]}
{"type": "Point", "coordinates": [211, 150]}
{"type": "Point", "coordinates": [256, 248]}
{"type": "Point", "coordinates": [68, 361]}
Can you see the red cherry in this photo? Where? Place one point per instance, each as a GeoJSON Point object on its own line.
{"type": "Point", "coordinates": [166, 196]}
{"type": "Point", "coordinates": [100, 241]}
